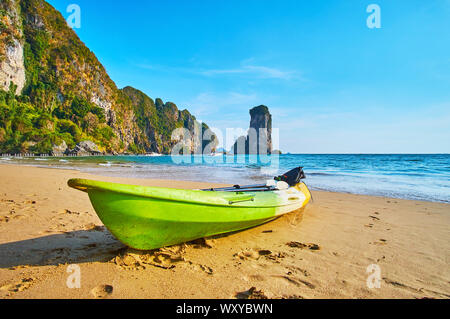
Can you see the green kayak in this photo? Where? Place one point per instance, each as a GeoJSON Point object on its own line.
{"type": "Point", "coordinates": [147, 218]}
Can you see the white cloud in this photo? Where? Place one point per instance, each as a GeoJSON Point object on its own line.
{"type": "Point", "coordinates": [262, 72]}
{"type": "Point", "coordinates": [245, 69]}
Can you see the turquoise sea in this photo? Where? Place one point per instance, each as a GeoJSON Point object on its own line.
{"type": "Point", "coordinates": [420, 177]}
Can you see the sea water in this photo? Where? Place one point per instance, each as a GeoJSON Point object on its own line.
{"type": "Point", "coordinates": [419, 177]}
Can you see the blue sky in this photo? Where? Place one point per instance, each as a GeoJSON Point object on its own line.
{"type": "Point", "coordinates": [332, 84]}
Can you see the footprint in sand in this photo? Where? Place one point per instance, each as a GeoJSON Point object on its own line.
{"type": "Point", "coordinates": [166, 258]}
{"type": "Point", "coordinates": [245, 255]}
{"type": "Point", "coordinates": [252, 293]}
{"type": "Point", "coordinates": [295, 270]}
{"type": "Point", "coordinates": [130, 259]}
{"type": "Point", "coordinates": [12, 216]}
{"type": "Point", "coordinates": [22, 285]}
{"type": "Point", "coordinates": [264, 252]}
{"type": "Point", "coordinates": [203, 243]}
{"type": "Point", "coordinates": [198, 267]}
{"type": "Point", "coordinates": [255, 254]}
{"type": "Point", "coordinates": [257, 277]}
{"type": "Point", "coordinates": [310, 246]}
{"type": "Point", "coordinates": [297, 281]}
{"type": "Point", "coordinates": [292, 297]}
{"type": "Point", "coordinates": [67, 212]}
{"type": "Point", "coordinates": [7, 201]}
{"type": "Point", "coordinates": [102, 291]}
{"type": "Point", "coordinates": [252, 254]}
{"type": "Point", "coordinates": [55, 256]}
{"type": "Point", "coordinates": [380, 242]}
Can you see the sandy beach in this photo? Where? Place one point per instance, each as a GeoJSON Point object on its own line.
{"type": "Point", "coordinates": [322, 252]}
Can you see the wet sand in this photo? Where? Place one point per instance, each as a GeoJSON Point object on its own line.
{"type": "Point", "coordinates": [48, 231]}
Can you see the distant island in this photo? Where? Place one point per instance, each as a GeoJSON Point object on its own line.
{"type": "Point", "coordinates": [56, 97]}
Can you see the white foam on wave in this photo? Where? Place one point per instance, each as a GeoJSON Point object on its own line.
{"type": "Point", "coordinates": [268, 171]}
{"type": "Point", "coordinates": [109, 164]}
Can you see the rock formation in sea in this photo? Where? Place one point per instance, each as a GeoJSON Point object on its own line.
{"type": "Point", "coordinates": [259, 136]}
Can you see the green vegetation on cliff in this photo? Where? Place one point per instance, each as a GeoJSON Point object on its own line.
{"type": "Point", "coordinates": [157, 120]}
{"type": "Point", "coordinates": [68, 96]}
{"type": "Point", "coordinates": [27, 128]}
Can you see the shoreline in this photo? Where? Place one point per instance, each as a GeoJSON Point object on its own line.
{"type": "Point", "coordinates": [93, 168]}
{"type": "Point", "coordinates": [323, 252]}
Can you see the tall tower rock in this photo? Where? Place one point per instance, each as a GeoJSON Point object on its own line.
{"type": "Point", "coordinates": [261, 121]}
{"type": "Point", "coordinates": [259, 137]}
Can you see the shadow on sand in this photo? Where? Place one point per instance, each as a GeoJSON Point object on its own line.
{"type": "Point", "coordinates": [83, 246]}
{"type": "Point", "coordinates": [71, 247]}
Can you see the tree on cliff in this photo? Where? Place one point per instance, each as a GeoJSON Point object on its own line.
{"type": "Point", "coordinates": [53, 89]}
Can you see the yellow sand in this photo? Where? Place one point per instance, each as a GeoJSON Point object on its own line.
{"type": "Point", "coordinates": [323, 252]}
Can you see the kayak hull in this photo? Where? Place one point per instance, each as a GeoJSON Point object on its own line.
{"type": "Point", "coordinates": [147, 218]}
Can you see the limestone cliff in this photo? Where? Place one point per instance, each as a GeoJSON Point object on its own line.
{"type": "Point", "coordinates": [54, 89]}
{"type": "Point", "coordinates": [259, 137]}
{"type": "Point", "coordinates": [12, 67]}
{"type": "Point", "coordinates": [157, 120]}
